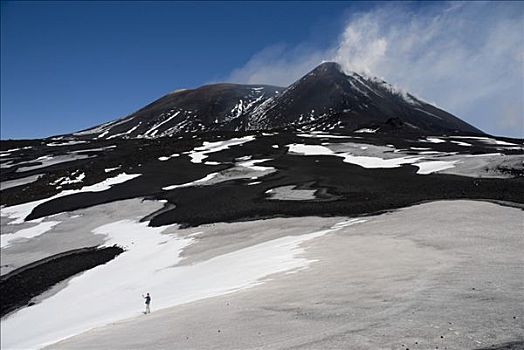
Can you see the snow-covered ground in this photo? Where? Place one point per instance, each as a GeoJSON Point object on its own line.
{"type": "Point", "coordinates": [244, 168]}
{"type": "Point", "coordinates": [201, 153]}
{"type": "Point", "coordinates": [366, 130]}
{"type": "Point", "coordinates": [65, 143]}
{"type": "Point", "coordinates": [50, 160]}
{"type": "Point", "coordinates": [164, 158]}
{"type": "Point", "coordinates": [30, 232]}
{"type": "Point", "coordinates": [317, 134]}
{"type": "Point", "coordinates": [395, 281]}
{"type": "Point", "coordinates": [111, 292]}
{"type": "Point", "coordinates": [434, 166]}
{"type": "Point", "coordinates": [173, 266]}
{"type": "Point", "coordinates": [252, 164]}
{"type": "Point", "coordinates": [201, 181]}
{"type": "Point", "coordinates": [427, 160]}
{"type": "Point", "coordinates": [363, 161]}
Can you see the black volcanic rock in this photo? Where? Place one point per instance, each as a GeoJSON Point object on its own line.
{"type": "Point", "coordinates": [324, 99]}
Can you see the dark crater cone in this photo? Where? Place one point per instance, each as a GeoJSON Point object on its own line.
{"type": "Point", "coordinates": [327, 99]}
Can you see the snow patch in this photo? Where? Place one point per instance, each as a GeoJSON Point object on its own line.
{"type": "Point", "coordinates": [363, 161]}
{"type": "Point", "coordinates": [16, 149]}
{"type": "Point", "coordinates": [309, 150]}
{"type": "Point", "coordinates": [68, 180]}
{"type": "Point", "coordinates": [163, 159]}
{"type": "Point", "coordinates": [434, 166]}
{"type": "Point", "coordinates": [152, 132]}
{"type": "Point", "coordinates": [125, 133]}
{"type": "Point", "coordinates": [108, 170]}
{"type": "Point", "coordinates": [504, 143]}
{"type": "Point", "coordinates": [367, 131]}
{"type": "Point", "coordinates": [460, 143]}
{"type": "Point", "coordinates": [201, 153]}
{"type": "Point", "coordinates": [487, 140]}
{"type": "Point", "coordinates": [192, 183]}
{"type": "Point", "coordinates": [484, 155]}
{"type": "Point", "coordinates": [68, 143]}
{"type": "Point", "coordinates": [251, 165]}
{"type": "Point", "coordinates": [433, 140]}
{"type": "Point", "coordinates": [320, 134]}
{"type": "Point", "coordinates": [376, 162]}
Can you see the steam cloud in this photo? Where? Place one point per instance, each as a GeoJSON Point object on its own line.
{"type": "Point", "coordinates": [467, 58]}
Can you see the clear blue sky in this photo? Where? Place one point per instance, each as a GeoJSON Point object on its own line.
{"type": "Point", "coordinates": [70, 65]}
{"type": "Point", "coordinates": [66, 66]}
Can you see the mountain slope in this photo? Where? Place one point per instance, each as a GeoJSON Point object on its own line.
{"type": "Point", "coordinates": [324, 99]}
{"type": "Point", "coordinates": [210, 107]}
{"type": "Point", "coordinates": [232, 211]}
{"type": "Point", "coordinates": [327, 98]}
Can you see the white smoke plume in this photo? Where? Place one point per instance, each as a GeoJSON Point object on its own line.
{"type": "Point", "coordinates": [467, 58]}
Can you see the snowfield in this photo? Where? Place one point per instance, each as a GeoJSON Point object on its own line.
{"type": "Point", "coordinates": [396, 279]}
{"type": "Point", "coordinates": [112, 292]}
{"type": "Point", "coordinates": [273, 247]}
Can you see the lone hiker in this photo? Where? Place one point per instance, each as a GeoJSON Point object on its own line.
{"type": "Point", "coordinates": [148, 301]}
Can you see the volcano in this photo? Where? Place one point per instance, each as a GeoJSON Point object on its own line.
{"type": "Point", "coordinates": [324, 99]}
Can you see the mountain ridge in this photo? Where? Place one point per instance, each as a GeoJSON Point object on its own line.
{"type": "Point", "coordinates": [325, 99]}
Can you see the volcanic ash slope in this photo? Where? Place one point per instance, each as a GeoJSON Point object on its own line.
{"type": "Point", "coordinates": [394, 281]}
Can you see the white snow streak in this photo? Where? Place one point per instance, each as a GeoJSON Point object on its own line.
{"type": "Point", "coordinates": [200, 153]}
{"type": "Point", "coordinates": [165, 158]}
{"type": "Point", "coordinates": [460, 143]}
{"type": "Point", "coordinates": [309, 150]}
{"type": "Point", "coordinates": [108, 170]}
{"type": "Point", "coordinates": [366, 130]}
{"type": "Point", "coordinates": [192, 183]}
{"type": "Point", "coordinates": [151, 132]}
{"type": "Point", "coordinates": [251, 165]}
{"type": "Point", "coordinates": [434, 166]}
{"type": "Point", "coordinates": [433, 140]}
{"type": "Point", "coordinates": [125, 133]}
{"type": "Point", "coordinates": [67, 143]}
